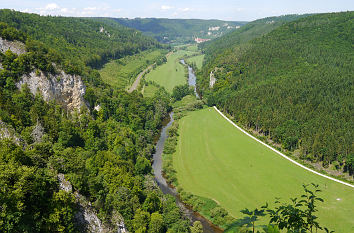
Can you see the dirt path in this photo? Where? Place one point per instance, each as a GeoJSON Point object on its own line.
{"type": "Point", "coordinates": [138, 78]}
{"type": "Point", "coordinates": [281, 154]}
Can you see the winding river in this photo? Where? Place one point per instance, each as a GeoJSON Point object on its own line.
{"type": "Point", "coordinates": [193, 216]}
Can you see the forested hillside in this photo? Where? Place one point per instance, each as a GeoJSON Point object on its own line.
{"type": "Point", "coordinates": [179, 30]}
{"type": "Point", "coordinates": [80, 40]}
{"type": "Point", "coordinates": [294, 85]}
{"type": "Point", "coordinates": [246, 33]}
{"type": "Point", "coordinates": [104, 153]}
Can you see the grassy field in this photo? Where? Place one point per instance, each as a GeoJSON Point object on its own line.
{"type": "Point", "coordinates": [198, 60]}
{"type": "Point", "coordinates": [149, 90]}
{"type": "Point", "coordinates": [122, 72]}
{"type": "Point", "coordinates": [217, 161]}
{"type": "Point", "coordinates": [172, 73]}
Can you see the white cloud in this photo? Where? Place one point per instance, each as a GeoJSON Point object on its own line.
{"type": "Point", "coordinates": [55, 9]}
{"type": "Point", "coordinates": [165, 7]}
{"type": "Point", "coordinates": [51, 7]}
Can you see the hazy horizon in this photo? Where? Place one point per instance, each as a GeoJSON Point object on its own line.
{"type": "Point", "coordinates": [223, 10]}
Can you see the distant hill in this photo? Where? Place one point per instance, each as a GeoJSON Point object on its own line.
{"type": "Point", "coordinates": [293, 83]}
{"type": "Point", "coordinates": [81, 39]}
{"type": "Point", "coordinates": [179, 30]}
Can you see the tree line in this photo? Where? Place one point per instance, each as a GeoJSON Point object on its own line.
{"type": "Point", "coordinates": [294, 85]}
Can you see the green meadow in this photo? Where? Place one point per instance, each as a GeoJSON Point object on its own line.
{"type": "Point", "coordinates": [198, 60]}
{"type": "Point", "coordinates": [172, 73]}
{"type": "Point", "coordinates": [121, 73]}
{"type": "Point", "coordinates": [217, 161]}
{"type": "Point", "coordinates": [149, 90]}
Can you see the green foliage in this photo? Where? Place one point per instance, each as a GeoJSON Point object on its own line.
{"type": "Point", "coordinates": [197, 227]}
{"type": "Point", "coordinates": [104, 155]}
{"type": "Point", "coordinates": [78, 38]}
{"type": "Point", "coordinates": [297, 216]}
{"type": "Point", "coordinates": [9, 33]}
{"type": "Point", "coordinates": [293, 85]}
{"type": "Point", "coordinates": [142, 166]}
{"type": "Point", "coordinates": [181, 91]}
{"type": "Point", "coordinates": [156, 223]}
{"type": "Point", "coordinates": [216, 49]}
{"type": "Point", "coordinates": [252, 217]}
{"type": "Point", "coordinates": [140, 221]}
{"type": "Point", "coordinates": [29, 200]}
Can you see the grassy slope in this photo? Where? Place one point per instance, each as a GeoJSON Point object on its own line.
{"type": "Point", "coordinates": [217, 161]}
{"type": "Point", "coordinates": [170, 74]}
{"type": "Point", "coordinates": [149, 90]}
{"type": "Point", "coordinates": [122, 72]}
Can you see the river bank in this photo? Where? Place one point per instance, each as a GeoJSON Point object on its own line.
{"type": "Point", "coordinates": [166, 188]}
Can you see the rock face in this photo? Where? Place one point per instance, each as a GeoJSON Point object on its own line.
{"type": "Point", "coordinates": [87, 217]}
{"type": "Point", "coordinates": [37, 132]}
{"type": "Point", "coordinates": [15, 46]}
{"type": "Point", "coordinates": [212, 80]}
{"type": "Point", "coordinates": [66, 89]}
{"type": "Point", "coordinates": [7, 132]}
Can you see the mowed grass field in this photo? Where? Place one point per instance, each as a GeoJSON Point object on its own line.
{"type": "Point", "coordinates": [198, 60]}
{"type": "Point", "coordinates": [122, 72]}
{"type": "Point", "coordinates": [172, 73]}
{"type": "Point", "coordinates": [217, 161]}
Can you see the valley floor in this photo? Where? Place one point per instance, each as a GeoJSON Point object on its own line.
{"type": "Point", "coordinates": [217, 161]}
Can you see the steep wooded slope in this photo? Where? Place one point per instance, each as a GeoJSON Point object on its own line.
{"type": "Point", "coordinates": [105, 153]}
{"type": "Point", "coordinates": [251, 30]}
{"type": "Point", "coordinates": [295, 85]}
{"type": "Point", "coordinates": [90, 42]}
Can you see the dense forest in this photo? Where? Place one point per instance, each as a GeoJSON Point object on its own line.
{"type": "Point", "coordinates": [179, 30]}
{"type": "Point", "coordinates": [83, 41]}
{"type": "Point", "coordinates": [294, 85]}
{"type": "Point", "coordinates": [105, 153]}
{"type": "Point", "coordinates": [246, 33]}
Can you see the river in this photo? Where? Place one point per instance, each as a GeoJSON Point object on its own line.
{"type": "Point", "coordinates": [192, 79]}
{"type": "Point", "coordinates": [193, 216]}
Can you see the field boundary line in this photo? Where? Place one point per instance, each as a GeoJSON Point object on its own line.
{"type": "Point", "coordinates": [279, 153]}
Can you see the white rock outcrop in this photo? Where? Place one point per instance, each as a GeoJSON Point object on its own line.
{"type": "Point", "coordinates": [66, 89]}
{"type": "Point", "coordinates": [87, 217]}
{"type": "Point", "coordinates": [15, 46]}
{"type": "Point", "coordinates": [7, 132]}
{"type": "Point", "coordinates": [212, 80]}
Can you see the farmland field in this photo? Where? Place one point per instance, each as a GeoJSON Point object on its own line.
{"type": "Point", "coordinates": [172, 73]}
{"type": "Point", "coordinates": [217, 161]}
{"type": "Point", "coordinates": [198, 60]}
{"type": "Point", "coordinates": [122, 72]}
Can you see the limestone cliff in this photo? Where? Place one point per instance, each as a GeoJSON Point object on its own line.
{"type": "Point", "coordinates": [66, 89]}
{"type": "Point", "coordinates": [15, 46]}
{"type": "Point", "coordinates": [87, 217]}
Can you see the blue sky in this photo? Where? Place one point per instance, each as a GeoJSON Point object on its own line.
{"type": "Point", "coordinates": [203, 9]}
